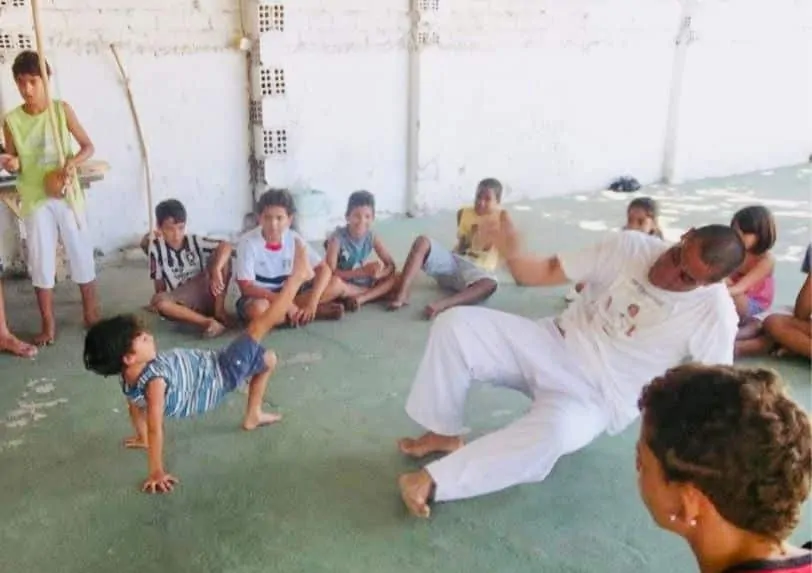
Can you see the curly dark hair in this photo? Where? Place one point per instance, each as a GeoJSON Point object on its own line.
{"type": "Point", "coordinates": [737, 436]}
{"type": "Point", "coordinates": [108, 341]}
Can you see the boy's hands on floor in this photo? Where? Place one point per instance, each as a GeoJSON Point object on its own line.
{"type": "Point", "coordinates": [159, 482]}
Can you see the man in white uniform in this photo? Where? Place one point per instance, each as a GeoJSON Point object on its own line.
{"type": "Point", "coordinates": [647, 306]}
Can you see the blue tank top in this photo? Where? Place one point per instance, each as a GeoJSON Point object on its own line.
{"type": "Point", "coordinates": [352, 252]}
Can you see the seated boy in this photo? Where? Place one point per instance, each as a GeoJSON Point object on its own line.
{"type": "Point", "coordinates": [781, 333]}
{"type": "Point", "coordinates": [470, 269]}
{"type": "Point", "coordinates": [190, 273]}
{"type": "Point", "coordinates": [348, 249]}
{"type": "Point", "coordinates": [184, 382]}
{"type": "Point", "coordinates": [264, 258]}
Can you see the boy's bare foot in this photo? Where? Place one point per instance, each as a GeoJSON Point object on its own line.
{"type": "Point", "coordinates": [330, 311]}
{"type": "Point", "coordinates": [429, 443]}
{"type": "Point", "coordinates": [135, 443]}
{"type": "Point", "coordinates": [254, 421]}
{"type": "Point", "coordinates": [415, 490]}
{"type": "Point", "coordinates": [45, 338]}
{"type": "Point", "coordinates": [396, 304]}
{"type": "Point", "coordinates": [13, 345]}
{"type": "Point", "coordinates": [432, 310]}
{"type": "Point", "coordinates": [351, 303]}
{"type": "Point", "coordinates": [214, 329]}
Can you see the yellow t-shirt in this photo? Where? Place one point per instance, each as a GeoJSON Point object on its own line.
{"type": "Point", "coordinates": [470, 243]}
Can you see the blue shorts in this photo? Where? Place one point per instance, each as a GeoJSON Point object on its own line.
{"type": "Point", "coordinates": [243, 358]}
{"type": "Point", "coordinates": [452, 271]}
{"type": "Point", "coordinates": [363, 282]}
{"type": "Point", "coordinates": [243, 301]}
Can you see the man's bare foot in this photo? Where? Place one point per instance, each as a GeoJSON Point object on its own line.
{"type": "Point", "coordinates": [351, 304]}
{"type": "Point", "coordinates": [330, 311]}
{"type": "Point", "coordinates": [13, 345]}
{"type": "Point", "coordinates": [415, 491]}
{"type": "Point", "coordinates": [432, 310]}
{"type": "Point", "coordinates": [135, 443]}
{"type": "Point", "coordinates": [214, 329]}
{"type": "Point", "coordinates": [45, 338]}
{"type": "Point", "coordinates": [429, 443]}
{"type": "Point", "coordinates": [254, 421]}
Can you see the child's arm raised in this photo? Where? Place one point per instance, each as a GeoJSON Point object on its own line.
{"type": "Point", "coordinates": [158, 481]}
{"type": "Point", "coordinates": [86, 148]}
{"type": "Point", "coordinates": [762, 268]}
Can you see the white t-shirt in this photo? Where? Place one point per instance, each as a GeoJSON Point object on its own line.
{"type": "Point", "coordinates": [267, 268]}
{"type": "Point", "coordinates": [625, 331]}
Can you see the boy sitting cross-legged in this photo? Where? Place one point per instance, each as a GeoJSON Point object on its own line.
{"type": "Point", "coordinates": [184, 382]}
{"type": "Point", "coordinates": [348, 249]}
{"type": "Point", "coordinates": [470, 269]}
{"type": "Point", "coordinates": [264, 257]}
{"type": "Point", "coordinates": [190, 272]}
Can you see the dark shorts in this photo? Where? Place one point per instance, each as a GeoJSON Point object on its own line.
{"type": "Point", "coordinates": [244, 301]}
{"type": "Point", "coordinates": [241, 359]}
{"type": "Point", "coordinates": [194, 294]}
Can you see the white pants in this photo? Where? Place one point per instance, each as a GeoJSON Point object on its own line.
{"type": "Point", "coordinates": [468, 344]}
{"type": "Point", "coordinates": [43, 227]}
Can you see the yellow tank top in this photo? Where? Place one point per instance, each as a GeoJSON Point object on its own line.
{"type": "Point", "coordinates": [470, 242]}
{"type": "Point", "coordinates": [35, 145]}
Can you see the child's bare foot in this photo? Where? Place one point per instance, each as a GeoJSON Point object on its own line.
{"type": "Point", "coordinates": [254, 421]}
{"type": "Point", "coordinates": [415, 490]}
{"type": "Point", "coordinates": [432, 310]}
{"type": "Point", "coordinates": [13, 345]}
{"type": "Point", "coordinates": [351, 304]}
{"type": "Point", "coordinates": [135, 443]}
{"type": "Point", "coordinates": [396, 304]}
{"type": "Point", "coordinates": [45, 338]}
{"type": "Point", "coordinates": [214, 329]}
{"type": "Point", "coordinates": [429, 443]}
{"type": "Point", "coordinates": [330, 311]}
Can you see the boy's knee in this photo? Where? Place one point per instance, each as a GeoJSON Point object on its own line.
{"type": "Point", "coordinates": [270, 360]}
{"type": "Point", "coordinates": [775, 322]}
{"type": "Point", "coordinates": [489, 286]}
{"type": "Point", "coordinates": [160, 300]}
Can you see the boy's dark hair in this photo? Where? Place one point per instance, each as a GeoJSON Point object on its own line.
{"type": "Point", "coordinates": [276, 198]}
{"type": "Point", "coordinates": [737, 436]}
{"type": "Point", "coordinates": [360, 199]}
{"type": "Point", "coordinates": [759, 221]}
{"type": "Point", "coordinates": [170, 209]}
{"type": "Point", "coordinates": [27, 64]}
{"type": "Point", "coordinates": [492, 184]}
{"type": "Point", "coordinates": [108, 341]}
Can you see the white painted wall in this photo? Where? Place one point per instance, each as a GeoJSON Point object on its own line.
{"type": "Point", "coordinates": [551, 97]}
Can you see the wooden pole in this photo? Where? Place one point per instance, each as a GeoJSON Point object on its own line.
{"type": "Point", "coordinates": [141, 139]}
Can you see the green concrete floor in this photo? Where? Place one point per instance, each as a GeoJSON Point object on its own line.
{"type": "Point", "coordinates": [318, 492]}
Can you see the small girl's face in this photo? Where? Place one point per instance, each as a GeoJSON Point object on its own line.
{"type": "Point", "coordinates": [638, 219]}
{"type": "Point", "coordinates": [275, 221]}
{"type": "Point", "coordinates": [486, 201]}
{"type": "Point", "coordinates": [360, 220]}
{"type": "Point", "coordinates": [749, 239]}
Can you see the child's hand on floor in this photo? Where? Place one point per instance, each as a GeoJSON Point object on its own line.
{"type": "Point", "coordinates": [159, 482]}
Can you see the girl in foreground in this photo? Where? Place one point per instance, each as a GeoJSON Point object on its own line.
{"type": "Point", "coordinates": [724, 460]}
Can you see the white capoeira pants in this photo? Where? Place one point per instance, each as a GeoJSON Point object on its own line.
{"type": "Point", "coordinates": [469, 344]}
{"type": "Point", "coordinates": [43, 228]}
